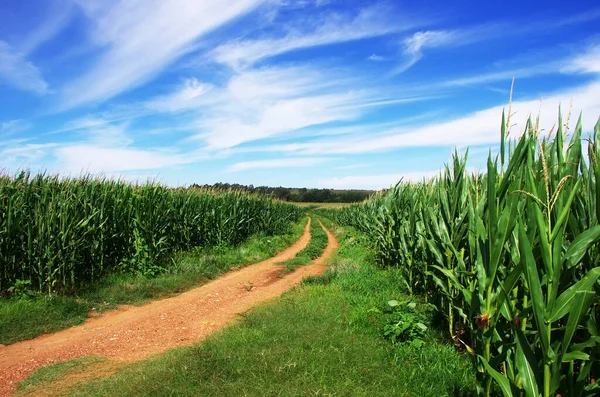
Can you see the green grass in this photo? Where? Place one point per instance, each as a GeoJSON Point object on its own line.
{"type": "Point", "coordinates": [314, 249]}
{"type": "Point", "coordinates": [322, 339]}
{"type": "Point", "coordinates": [55, 372]}
{"type": "Point", "coordinates": [26, 318]}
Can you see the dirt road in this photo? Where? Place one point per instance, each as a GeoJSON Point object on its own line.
{"type": "Point", "coordinates": [137, 332]}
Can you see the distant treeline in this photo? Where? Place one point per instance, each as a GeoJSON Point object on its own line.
{"type": "Point", "coordinates": [298, 195]}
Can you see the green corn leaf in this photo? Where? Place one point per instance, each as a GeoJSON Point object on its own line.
{"type": "Point", "coordinates": [508, 285]}
{"type": "Point", "coordinates": [503, 139]}
{"type": "Point", "coordinates": [559, 141]}
{"type": "Point", "coordinates": [575, 355]}
{"type": "Point", "coordinates": [506, 223]}
{"type": "Point", "coordinates": [564, 214]}
{"type": "Point", "coordinates": [564, 303]}
{"type": "Point", "coordinates": [592, 389]}
{"type": "Point", "coordinates": [584, 372]}
{"type": "Point", "coordinates": [580, 245]}
{"type": "Point", "coordinates": [450, 275]}
{"type": "Point", "coordinates": [583, 300]}
{"type": "Point", "coordinates": [526, 373]}
{"type": "Point", "coordinates": [435, 252]}
{"type": "Point", "coordinates": [535, 289]}
{"type": "Point", "coordinates": [593, 341]}
{"type": "Point", "coordinates": [491, 199]}
{"type": "Point", "coordinates": [438, 282]}
{"type": "Point", "coordinates": [516, 160]}
{"type": "Point", "coordinates": [502, 381]}
{"type": "Point", "coordinates": [542, 226]}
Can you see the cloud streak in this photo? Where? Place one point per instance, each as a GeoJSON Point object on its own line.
{"type": "Point", "coordinates": [415, 44]}
{"type": "Point", "coordinates": [140, 38]}
{"type": "Point", "coordinates": [277, 163]}
{"type": "Point", "coordinates": [375, 182]}
{"type": "Point", "coordinates": [333, 28]}
{"type": "Point", "coordinates": [274, 102]}
{"type": "Point", "coordinates": [19, 73]}
{"type": "Point", "coordinates": [97, 159]}
{"type": "Point", "coordinates": [478, 128]}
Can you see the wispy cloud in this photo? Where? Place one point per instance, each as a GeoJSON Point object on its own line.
{"type": "Point", "coordinates": [277, 163]}
{"type": "Point", "coordinates": [478, 128]}
{"type": "Point", "coordinates": [142, 37]}
{"type": "Point", "coordinates": [18, 154]}
{"type": "Point", "coordinates": [375, 182]}
{"type": "Point", "coordinates": [586, 62]}
{"type": "Point", "coordinates": [268, 102]}
{"type": "Point", "coordinates": [12, 127]}
{"type": "Point", "coordinates": [376, 58]}
{"type": "Point", "coordinates": [352, 166]}
{"type": "Point", "coordinates": [413, 47]}
{"type": "Point", "coordinates": [189, 95]}
{"type": "Point", "coordinates": [415, 44]}
{"type": "Point", "coordinates": [96, 146]}
{"type": "Point", "coordinates": [96, 159]}
{"type": "Point", "coordinates": [329, 29]}
{"type": "Point", "coordinates": [57, 15]}
{"type": "Point", "coordinates": [17, 72]}
{"type": "Point", "coordinates": [581, 62]}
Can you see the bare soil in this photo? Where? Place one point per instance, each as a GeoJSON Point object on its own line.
{"type": "Point", "coordinates": [133, 333]}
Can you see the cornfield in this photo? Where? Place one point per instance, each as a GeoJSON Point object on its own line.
{"type": "Point", "coordinates": [58, 233]}
{"type": "Point", "coordinates": [511, 258]}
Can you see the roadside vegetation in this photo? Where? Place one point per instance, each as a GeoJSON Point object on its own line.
{"type": "Point", "coordinates": [510, 257]}
{"type": "Point", "coordinates": [26, 314]}
{"type": "Point", "coordinates": [34, 385]}
{"type": "Point", "coordinates": [347, 332]}
{"type": "Point", "coordinates": [59, 234]}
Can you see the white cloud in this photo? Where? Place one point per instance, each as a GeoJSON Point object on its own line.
{"type": "Point", "coordinates": [141, 37]}
{"type": "Point", "coordinates": [77, 158]}
{"type": "Point", "coordinates": [376, 58]}
{"type": "Point", "coordinates": [16, 71]}
{"type": "Point", "coordinates": [352, 166]}
{"type": "Point", "coordinates": [506, 75]}
{"type": "Point", "coordinates": [12, 127]}
{"type": "Point", "coordinates": [56, 14]}
{"type": "Point", "coordinates": [257, 104]}
{"type": "Point", "coordinates": [375, 182]}
{"type": "Point", "coordinates": [17, 155]}
{"type": "Point", "coordinates": [279, 117]}
{"type": "Point", "coordinates": [277, 163]}
{"type": "Point", "coordinates": [334, 28]}
{"type": "Point", "coordinates": [478, 128]}
{"type": "Point", "coordinates": [587, 62]}
{"type": "Point", "coordinates": [190, 95]}
{"type": "Point", "coordinates": [414, 45]}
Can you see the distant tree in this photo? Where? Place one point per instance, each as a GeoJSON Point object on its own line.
{"type": "Point", "coordinates": [294, 194]}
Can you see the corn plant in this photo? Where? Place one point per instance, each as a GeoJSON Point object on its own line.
{"type": "Point", "coordinates": [511, 257]}
{"type": "Point", "coordinates": [58, 233]}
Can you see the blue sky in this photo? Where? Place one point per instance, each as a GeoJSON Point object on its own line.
{"type": "Point", "coordinates": [315, 93]}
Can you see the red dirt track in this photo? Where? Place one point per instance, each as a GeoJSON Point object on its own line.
{"type": "Point", "coordinates": [138, 332]}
